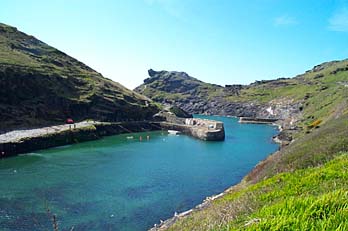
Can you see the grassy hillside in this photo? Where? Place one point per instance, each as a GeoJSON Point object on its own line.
{"type": "Point", "coordinates": [323, 91]}
{"type": "Point", "coordinates": [41, 85]}
{"type": "Point", "coordinates": [311, 199]}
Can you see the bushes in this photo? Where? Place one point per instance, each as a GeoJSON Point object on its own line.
{"type": "Point", "coordinates": [314, 124]}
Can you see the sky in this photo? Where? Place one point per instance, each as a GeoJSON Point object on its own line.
{"type": "Point", "coordinates": [217, 41]}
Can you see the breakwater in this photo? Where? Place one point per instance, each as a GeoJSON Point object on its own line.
{"type": "Point", "coordinates": [255, 120]}
{"type": "Point", "coordinates": [24, 141]}
{"type": "Point", "coordinates": [209, 130]}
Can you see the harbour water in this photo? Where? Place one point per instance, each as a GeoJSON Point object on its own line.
{"type": "Point", "coordinates": [122, 183]}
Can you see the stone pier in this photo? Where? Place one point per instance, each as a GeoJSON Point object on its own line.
{"type": "Point", "coordinates": [209, 130]}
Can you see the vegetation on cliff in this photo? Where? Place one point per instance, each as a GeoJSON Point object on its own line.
{"type": "Point", "coordinates": [40, 85]}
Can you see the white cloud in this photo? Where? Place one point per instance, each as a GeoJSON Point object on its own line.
{"type": "Point", "coordinates": [339, 21]}
{"type": "Point", "coordinates": [285, 20]}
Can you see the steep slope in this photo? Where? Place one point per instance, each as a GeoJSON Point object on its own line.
{"type": "Point", "coordinates": [40, 85]}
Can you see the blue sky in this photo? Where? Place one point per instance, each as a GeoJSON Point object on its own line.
{"type": "Point", "coordinates": [217, 41]}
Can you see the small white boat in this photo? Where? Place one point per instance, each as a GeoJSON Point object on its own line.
{"type": "Point", "coordinates": [173, 132]}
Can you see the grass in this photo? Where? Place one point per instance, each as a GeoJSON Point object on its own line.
{"type": "Point", "coordinates": [308, 199]}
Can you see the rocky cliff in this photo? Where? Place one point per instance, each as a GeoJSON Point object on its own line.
{"type": "Point", "coordinates": [40, 85]}
{"type": "Point", "coordinates": [197, 97]}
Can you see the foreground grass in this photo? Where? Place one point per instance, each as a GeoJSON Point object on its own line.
{"type": "Point", "coordinates": [307, 199]}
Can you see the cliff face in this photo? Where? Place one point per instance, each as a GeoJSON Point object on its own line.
{"type": "Point", "coordinates": [197, 97]}
{"type": "Point", "coordinates": [40, 85]}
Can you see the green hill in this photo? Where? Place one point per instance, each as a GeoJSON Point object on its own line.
{"type": "Point", "coordinates": [40, 85]}
{"type": "Point", "coordinates": [165, 86]}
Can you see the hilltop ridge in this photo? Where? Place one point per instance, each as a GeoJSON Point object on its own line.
{"type": "Point", "coordinates": [40, 86]}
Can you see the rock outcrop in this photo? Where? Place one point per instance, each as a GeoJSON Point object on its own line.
{"type": "Point", "coordinates": [197, 97]}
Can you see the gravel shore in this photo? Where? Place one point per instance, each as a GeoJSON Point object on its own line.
{"type": "Point", "coordinates": [17, 135]}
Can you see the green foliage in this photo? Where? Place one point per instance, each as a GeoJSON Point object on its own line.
{"type": "Point", "coordinates": [315, 124]}
{"type": "Point", "coordinates": [310, 199]}
{"type": "Point", "coordinates": [325, 212]}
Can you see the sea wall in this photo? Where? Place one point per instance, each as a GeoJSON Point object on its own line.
{"type": "Point", "coordinates": [68, 135]}
{"type": "Point", "coordinates": [24, 141]}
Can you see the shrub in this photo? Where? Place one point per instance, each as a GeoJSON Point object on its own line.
{"type": "Point", "coordinates": [314, 124]}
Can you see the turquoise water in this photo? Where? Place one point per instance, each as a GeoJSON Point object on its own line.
{"type": "Point", "coordinates": [123, 184]}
